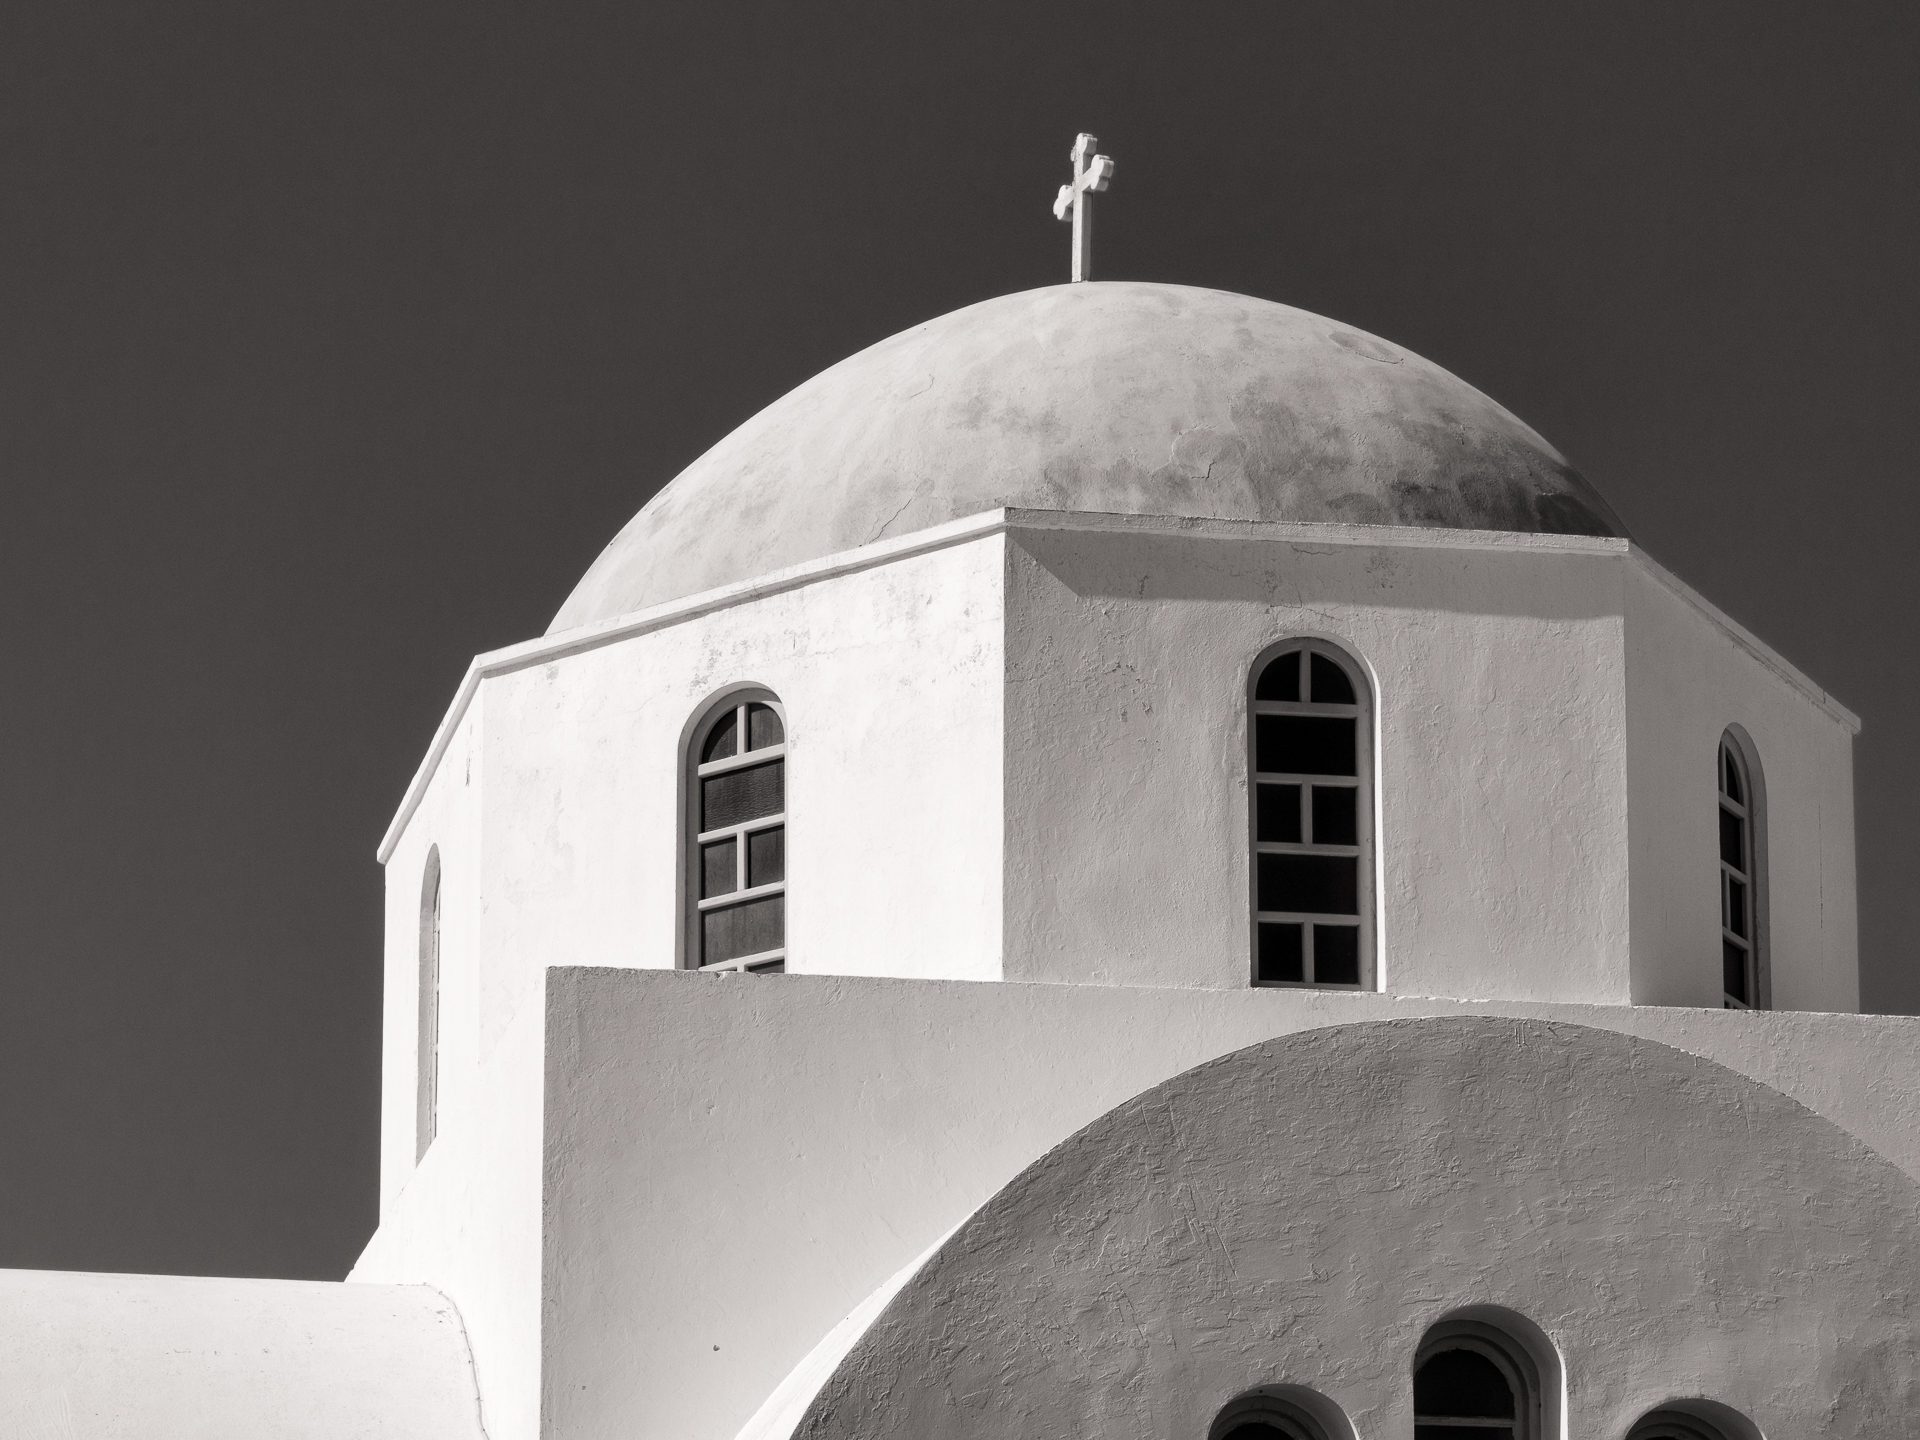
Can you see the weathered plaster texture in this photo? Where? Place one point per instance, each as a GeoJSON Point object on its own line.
{"type": "Point", "coordinates": [740, 1163]}
{"type": "Point", "coordinates": [1114, 396]}
{"type": "Point", "coordinates": [1302, 1211]}
{"type": "Point", "coordinates": [164, 1357]}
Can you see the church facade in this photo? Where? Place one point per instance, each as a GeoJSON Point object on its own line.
{"type": "Point", "coordinates": [1129, 862]}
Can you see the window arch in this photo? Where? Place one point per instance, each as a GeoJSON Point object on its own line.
{"type": "Point", "coordinates": [426, 1118]}
{"type": "Point", "coordinates": [1280, 1412]}
{"type": "Point", "coordinates": [1472, 1380]}
{"type": "Point", "coordinates": [1310, 817]}
{"type": "Point", "coordinates": [735, 864]}
{"type": "Point", "coordinates": [1693, 1420]}
{"type": "Point", "coordinates": [1743, 968]}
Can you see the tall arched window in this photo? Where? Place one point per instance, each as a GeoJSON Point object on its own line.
{"type": "Point", "coordinates": [736, 829]}
{"type": "Point", "coordinates": [1473, 1382]}
{"type": "Point", "coordinates": [1311, 816]}
{"type": "Point", "coordinates": [1742, 956]}
{"type": "Point", "coordinates": [426, 1116]}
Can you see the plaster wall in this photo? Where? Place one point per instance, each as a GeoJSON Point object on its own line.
{"type": "Point", "coordinates": [891, 682]}
{"type": "Point", "coordinates": [133, 1357]}
{"type": "Point", "coordinates": [734, 1166]}
{"type": "Point", "coordinates": [1502, 831]}
{"type": "Point", "coordinates": [1687, 681]}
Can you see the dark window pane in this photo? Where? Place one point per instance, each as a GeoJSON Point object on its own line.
{"type": "Point", "coordinates": [1462, 1384]}
{"type": "Point", "coordinates": [721, 739]}
{"type": "Point", "coordinates": [1336, 954]}
{"type": "Point", "coordinates": [1330, 683]}
{"type": "Point", "coordinates": [1281, 956]}
{"type": "Point", "coordinates": [1278, 817]}
{"type": "Point", "coordinates": [1733, 840]}
{"type": "Point", "coordinates": [1733, 968]}
{"type": "Point", "coordinates": [767, 856]}
{"type": "Point", "coordinates": [743, 929]}
{"type": "Point", "coordinates": [1335, 817]}
{"type": "Point", "coordinates": [1737, 908]}
{"type": "Point", "coordinates": [743, 795]}
{"type": "Point", "coordinates": [763, 727]}
{"type": "Point", "coordinates": [1463, 1432]}
{"type": "Point", "coordinates": [1257, 1430]}
{"type": "Point", "coordinates": [1281, 679]}
{"type": "Point", "coordinates": [1310, 884]}
{"type": "Point", "coordinates": [718, 875]}
{"type": "Point", "coordinates": [1732, 773]}
{"type": "Point", "coordinates": [1303, 744]}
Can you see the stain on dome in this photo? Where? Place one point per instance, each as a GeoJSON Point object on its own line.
{"type": "Point", "coordinates": [1109, 396]}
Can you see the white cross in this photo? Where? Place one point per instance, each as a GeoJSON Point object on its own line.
{"type": "Point", "coordinates": [1076, 201]}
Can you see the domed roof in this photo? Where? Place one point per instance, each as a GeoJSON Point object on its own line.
{"type": "Point", "coordinates": [1109, 396]}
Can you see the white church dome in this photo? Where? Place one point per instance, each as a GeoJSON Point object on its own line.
{"type": "Point", "coordinates": [1117, 396]}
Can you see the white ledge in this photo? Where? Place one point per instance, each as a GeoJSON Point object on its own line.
{"type": "Point", "coordinates": [548, 648]}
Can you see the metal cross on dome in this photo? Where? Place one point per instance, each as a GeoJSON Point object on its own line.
{"type": "Point", "coordinates": [1090, 173]}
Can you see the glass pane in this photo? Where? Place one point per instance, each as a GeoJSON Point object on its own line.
{"type": "Point", "coordinates": [763, 727]}
{"type": "Point", "coordinates": [1259, 1430]}
{"type": "Point", "coordinates": [1303, 744]}
{"type": "Point", "coordinates": [1733, 968]}
{"type": "Point", "coordinates": [1281, 954]}
{"type": "Point", "coordinates": [767, 856]}
{"type": "Point", "coordinates": [1463, 1432]}
{"type": "Point", "coordinates": [1336, 954]}
{"type": "Point", "coordinates": [1733, 840]}
{"type": "Point", "coordinates": [743, 795]}
{"type": "Point", "coordinates": [1278, 816]}
{"type": "Point", "coordinates": [1309, 884]}
{"type": "Point", "coordinates": [1281, 679]}
{"type": "Point", "coordinates": [1737, 908]}
{"type": "Point", "coordinates": [743, 929]}
{"type": "Point", "coordinates": [1462, 1384]}
{"type": "Point", "coordinates": [1336, 819]}
{"type": "Point", "coordinates": [721, 739]}
{"type": "Point", "coordinates": [1730, 769]}
{"type": "Point", "coordinates": [1330, 683]}
{"type": "Point", "coordinates": [718, 874]}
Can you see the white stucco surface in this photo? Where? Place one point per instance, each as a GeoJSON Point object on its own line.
{"type": "Point", "coordinates": [163, 1357]}
{"type": "Point", "coordinates": [750, 1159]}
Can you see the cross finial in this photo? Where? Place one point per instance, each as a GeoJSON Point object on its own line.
{"type": "Point", "coordinates": [1075, 202]}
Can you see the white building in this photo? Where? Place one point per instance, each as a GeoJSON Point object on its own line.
{"type": "Point", "coordinates": [1293, 925]}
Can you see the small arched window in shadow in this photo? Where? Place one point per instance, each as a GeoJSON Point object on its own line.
{"type": "Point", "coordinates": [736, 836]}
{"type": "Point", "coordinates": [1280, 1412]}
{"type": "Point", "coordinates": [1742, 956]}
{"type": "Point", "coordinates": [426, 1115]}
{"type": "Point", "coordinates": [1693, 1420]}
{"type": "Point", "coordinates": [1311, 807]}
{"type": "Point", "coordinates": [1471, 1382]}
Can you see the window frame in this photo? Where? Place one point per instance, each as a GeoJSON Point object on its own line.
{"type": "Point", "coordinates": [1365, 850]}
{"type": "Point", "coordinates": [1735, 751]}
{"type": "Point", "coordinates": [1518, 1349]}
{"type": "Point", "coordinates": [1295, 1411]}
{"type": "Point", "coordinates": [692, 771]}
{"type": "Point", "coordinates": [426, 1113]}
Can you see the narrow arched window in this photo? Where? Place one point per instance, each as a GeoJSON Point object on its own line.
{"type": "Point", "coordinates": [736, 864]}
{"type": "Point", "coordinates": [1691, 1423]}
{"type": "Point", "coordinates": [1311, 818]}
{"type": "Point", "coordinates": [426, 1117]}
{"type": "Point", "coordinates": [1742, 959]}
{"type": "Point", "coordinates": [1282, 1412]}
{"type": "Point", "coordinates": [1473, 1383]}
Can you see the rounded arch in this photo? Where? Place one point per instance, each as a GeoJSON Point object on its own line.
{"type": "Point", "coordinates": [1280, 1412]}
{"type": "Point", "coordinates": [426, 1113]}
{"type": "Point", "coordinates": [1694, 1419]}
{"type": "Point", "coordinates": [1312, 817]}
{"type": "Point", "coordinates": [1479, 1353]}
{"type": "Point", "coordinates": [733, 833]}
{"type": "Point", "coordinates": [1746, 960]}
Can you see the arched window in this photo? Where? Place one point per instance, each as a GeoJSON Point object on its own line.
{"type": "Point", "coordinates": [1473, 1382]}
{"type": "Point", "coordinates": [736, 827]}
{"type": "Point", "coordinates": [1311, 816]}
{"type": "Point", "coordinates": [427, 1054]}
{"type": "Point", "coordinates": [1693, 1420]}
{"type": "Point", "coordinates": [1742, 957]}
{"type": "Point", "coordinates": [1280, 1412]}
